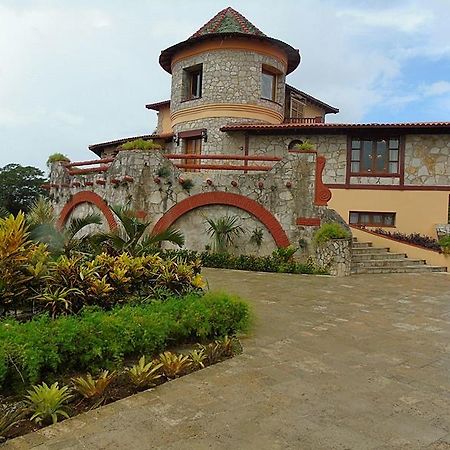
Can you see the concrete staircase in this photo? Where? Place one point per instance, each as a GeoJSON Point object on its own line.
{"type": "Point", "coordinates": [369, 259]}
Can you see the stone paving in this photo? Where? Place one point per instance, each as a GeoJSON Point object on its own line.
{"type": "Point", "coordinates": [350, 363]}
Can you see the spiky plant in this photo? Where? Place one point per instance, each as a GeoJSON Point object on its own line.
{"type": "Point", "coordinates": [10, 415]}
{"type": "Point", "coordinates": [198, 358]}
{"type": "Point", "coordinates": [93, 388]}
{"type": "Point", "coordinates": [144, 373]}
{"type": "Point", "coordinates": [48, 402]}
{"type": "Point", "coordinates": [56, 300]}
{"type": "Point", "coordinates": [41, 212]}
{"type": "Point", "coordinates": [174, 365]}
{"type": "Point", "coordinates": [223, 231]}
{"type": "Point", "coordinates": [132, 236]}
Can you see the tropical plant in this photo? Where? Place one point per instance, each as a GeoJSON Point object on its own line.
{"type": "Point", "coordinates": [305, 146]}
{"type": "Point", "coordinates": [140, 144]}
{"type": "Point", "coordinates": [257, 236]}
{"type": "Point", "coordinates": [223, 231]}
{"type": "Point", "coordinates": [163, 172]}
{"type": "Point", "coordinates": [64, 240]}
{"type": "Point", "coordinates": [41, 212]}
{"type": "Point", "coordinates": [48, 402]}
{"type": "Point", "coordinates": [329, 231]}
{"type": "Point", "coordinates": [174, 365]}
{"type": "Point", "coordinates": [284, 254]}
{"type": "Point", "coordinates": [132, 238]}
{"type": "Point", "coordinates": [197, 358]}
{"type": "Point", "coordinates": [413, 238]}
{"type": "Point", "coordinates": [227, 345]}
{"type": "Point", "coordinates": [56, 300]}
{"type": "Point", "coordinates": [57, 157]}
{"type": "Point", "coordinates": [93, 388]}
{"type": "Point", "coordinates": [213, 351]}
{"type": "Point", "coordinates": [187, 184]}
{"type": "Point", "coordinates": [144, 373]}
{"type": "Point", "coordinates": [10, 415]}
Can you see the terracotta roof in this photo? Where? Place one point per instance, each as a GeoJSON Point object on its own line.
{"type": "Point", "coordinates": [440, 127]}
{"type": "Point", "coordinates": [328, 108]}
{"type": "Point", "coordinates": [96, 148]}
{"type": "Point", "coordinates": [157, 106]}
{"type": "Point", "coordinates": [228, 23]}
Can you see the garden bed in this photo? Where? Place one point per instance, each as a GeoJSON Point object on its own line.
{"type": "Point", "coordinates": [62, 349]}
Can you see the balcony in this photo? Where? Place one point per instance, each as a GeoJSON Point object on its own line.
{"type": "Point", "coordinates": [305, 120]}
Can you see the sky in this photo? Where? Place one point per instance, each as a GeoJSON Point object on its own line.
{"type": "Point", "coordinates": [74, 73]}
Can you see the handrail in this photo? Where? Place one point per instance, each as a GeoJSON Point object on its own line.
{"type": "Point", "coordinates": [89, 163]}
{"type": "Point", "coordinates": [317, 119]}
{"type": "Point", "coordinates": [88, 170]}
{"type": "Point", "coordinates": [224, 157]}
{"type": "Point", "coordinates": [223, 167]}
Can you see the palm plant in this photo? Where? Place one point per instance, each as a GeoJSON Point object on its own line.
{"type": "Point", "coordinates": [223, 231]}
{"type": "Point", "coordinates": [132, 236]}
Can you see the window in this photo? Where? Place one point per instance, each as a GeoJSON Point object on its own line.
{"type": "Point", "coordinates": [192, 82]}
{"type": "Point", "coordinates": [297, 108]}
{"type": "Point", "coordinates": [374, 156]}
{"type": "Point", "coordinates": [294, 143]}
{"type": "Point", "coordinates": [372, 219]}
{"type": "Point", "coordinates": [268, 84]}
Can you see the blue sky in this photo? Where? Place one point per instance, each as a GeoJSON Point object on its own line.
{"type": "Point", "coordinates": [77, 73]}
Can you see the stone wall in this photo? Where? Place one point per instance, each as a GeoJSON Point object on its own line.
{"type": "Point", "coordinates": [287, 192]}
{"type": "Point", "coordinates": [427, 160]}
{"type": "Point", "coordinates": [335, 256]}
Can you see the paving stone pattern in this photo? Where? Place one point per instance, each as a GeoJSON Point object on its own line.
{"type": "Point", "coordinates": [351, 363]}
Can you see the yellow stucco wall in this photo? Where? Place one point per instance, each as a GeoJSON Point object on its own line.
{"type": "Point", "coordinates": [416, 211]}
{"type": "Point", "coordinates": [164, 121]}
{"type": "Point", "coordinates": [313, 111]}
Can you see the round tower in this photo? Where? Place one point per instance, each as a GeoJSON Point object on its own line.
{"type": "Point", "coordinates": [226, 72]}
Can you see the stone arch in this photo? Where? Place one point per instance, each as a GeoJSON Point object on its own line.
{"type": "Point", "coordinates": [225, 198]}
{"type": "Point", "coordinates": [87, 197]}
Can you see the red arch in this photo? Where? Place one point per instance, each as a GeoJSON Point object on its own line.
{"type": "Point", "coordinates": [87, 197]}
{"type": "Point", "coordinates": [224, 198]}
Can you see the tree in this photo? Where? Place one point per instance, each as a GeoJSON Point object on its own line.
{"type": "Point", "coordinates": [20, 186]}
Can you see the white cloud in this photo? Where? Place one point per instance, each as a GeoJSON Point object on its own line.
{"type": "Point", "coordinates": [436, 88]}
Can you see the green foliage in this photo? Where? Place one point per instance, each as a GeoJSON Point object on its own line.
{"type": "Point", "coordinates": [10, 415]}
{"type": "Point", "coordinates": [56, 299]}
{"type": "Point", "coordinates": [144, 374]}
{"type": "Point", "coordinates": [197, 358]}
{"type": "Point", "coordinates": [131, 237]}
{"type": "Point", "coordinates": [306, 146]}
{"type": "Point", "coordinates": [93, 388]}
{"type": "Point", "coordinates": [213, 352]}
{"type": "Point", "coordinates": [330, 231]}
{"type": "Point", "coordinates": [100, 339]}
{"type": "Point", "coordinates": [41, 212]}
{"type": "Point", "coordinates": [444, 242]}
{"type": "Point", "coordinates": [174, 365]}
{"type": "Point", "coordinates": [20, 186]}
{"type": "Point", "coordinates": [163, 172]}
{"type": "Point", "coordinates": [187, 184]}
{"type": "Point", "coordinates": [57, 157]}
{"type": "Point", "coordinates": [257, 236]}
{"type": "Point", "coordinates": [275, 263]}
{"type": "Point", "coordinates": [140, 144]}
{"type": "Point", "coordinates": [48, 402]}
{"type": "Point", "coordinates": [223, 231]}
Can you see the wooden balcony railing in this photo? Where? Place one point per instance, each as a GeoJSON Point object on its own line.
{"type": "Point", "coordinates": [318, 119]}
{"type": "Point", "coordinates": [194, 162]}
{"type": "Point", "coordinates": [103, 166]}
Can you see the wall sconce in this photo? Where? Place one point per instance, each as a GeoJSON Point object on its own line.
{"type": "Point", "coordinates": [176, 139]}
{"type": "Point", "coordinates": [205, 136]}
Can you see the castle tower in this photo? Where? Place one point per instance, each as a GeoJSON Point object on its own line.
{"type": "Point", "coordinates": [226, 72]}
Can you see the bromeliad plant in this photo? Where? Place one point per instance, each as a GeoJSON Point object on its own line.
{"type": "Point", "coordinates": [48, 403]}
{"type": "Point", "coordinates": [197, 358]}
{"type": "Point", "coordinates": [10, 415]}
{"type": "Point", "coordinates": [94, 388]}
{"type": "Point", "coordinates": [144, 374]}
{"type": "Point", "coordinates": [174, 365]}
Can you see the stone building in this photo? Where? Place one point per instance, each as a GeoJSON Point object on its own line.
{"type": "Point", "coordinates": [231, 133]}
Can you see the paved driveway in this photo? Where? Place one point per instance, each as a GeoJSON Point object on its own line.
{"type": "Point", "coordinates": [355, 363]}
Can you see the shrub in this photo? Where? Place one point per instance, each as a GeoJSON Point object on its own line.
{"type": "Point", "coordinates": [444, 242]}
{"type": "Point", "coordinates": [330, 231]}
{"type": "Point", "coordinates": [101, 339]}
{"type": "Point", "coordinates": [413, 238]}
{"type": "Point", "coordinates": [305, 146]}
{"type": "Point", "coordinates": [57, 157]}
{"type": "Point", "coordinates": [140, 144]}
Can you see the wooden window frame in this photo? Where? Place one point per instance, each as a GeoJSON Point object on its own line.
{"type": "Point", "coordinates": [189, 74]}
{"type": "Point", "coordinates": [272, 72]}
{"type": "Point", "coordinates": [383, 214]}
{"type": "Point", "coordinates": [300, 102]}
{"type": "Point", "coordinates": [374, 173]}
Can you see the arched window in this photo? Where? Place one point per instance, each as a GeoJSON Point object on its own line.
{"type": "Point", "coordinates": [294, 143]}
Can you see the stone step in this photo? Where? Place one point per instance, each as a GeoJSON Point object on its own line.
{"type": "Point", "coordinates": [369, 250]}
{"type": "Point", "coordinates": [368, 256]}
{"type": "Point", "coordinates": [392, 263]}
{"type": "Point", "coordinates": [404, 269]}
{"type": "Point", "coordinates": [356, 244]}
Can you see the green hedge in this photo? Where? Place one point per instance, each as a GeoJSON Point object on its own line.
{"type": "Point", "coordinates": [100, 339]}
{"type": "Point", "coordinates": [276, 262]}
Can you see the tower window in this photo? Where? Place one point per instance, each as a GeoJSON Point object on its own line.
{"type": "Point", "coordinates": [268, 84]}
{"type": "Point", "coordinates": [192, 82]}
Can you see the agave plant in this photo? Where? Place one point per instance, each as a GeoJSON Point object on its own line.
{"type": "Point", "coordinates": [132, 236]}
{"type": "Point", "coordinates": [48, 402]}
{"type": "Point", "coordinates": [174, 365]}
{"type": "Point", "coordinates": [144, 374]}
{"type": "Point", "coordinates": [9, 416]}
{"type": "Point", "coordinates": [93, 388]}
{"type": "Point", "coordinates": [223, 232]}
